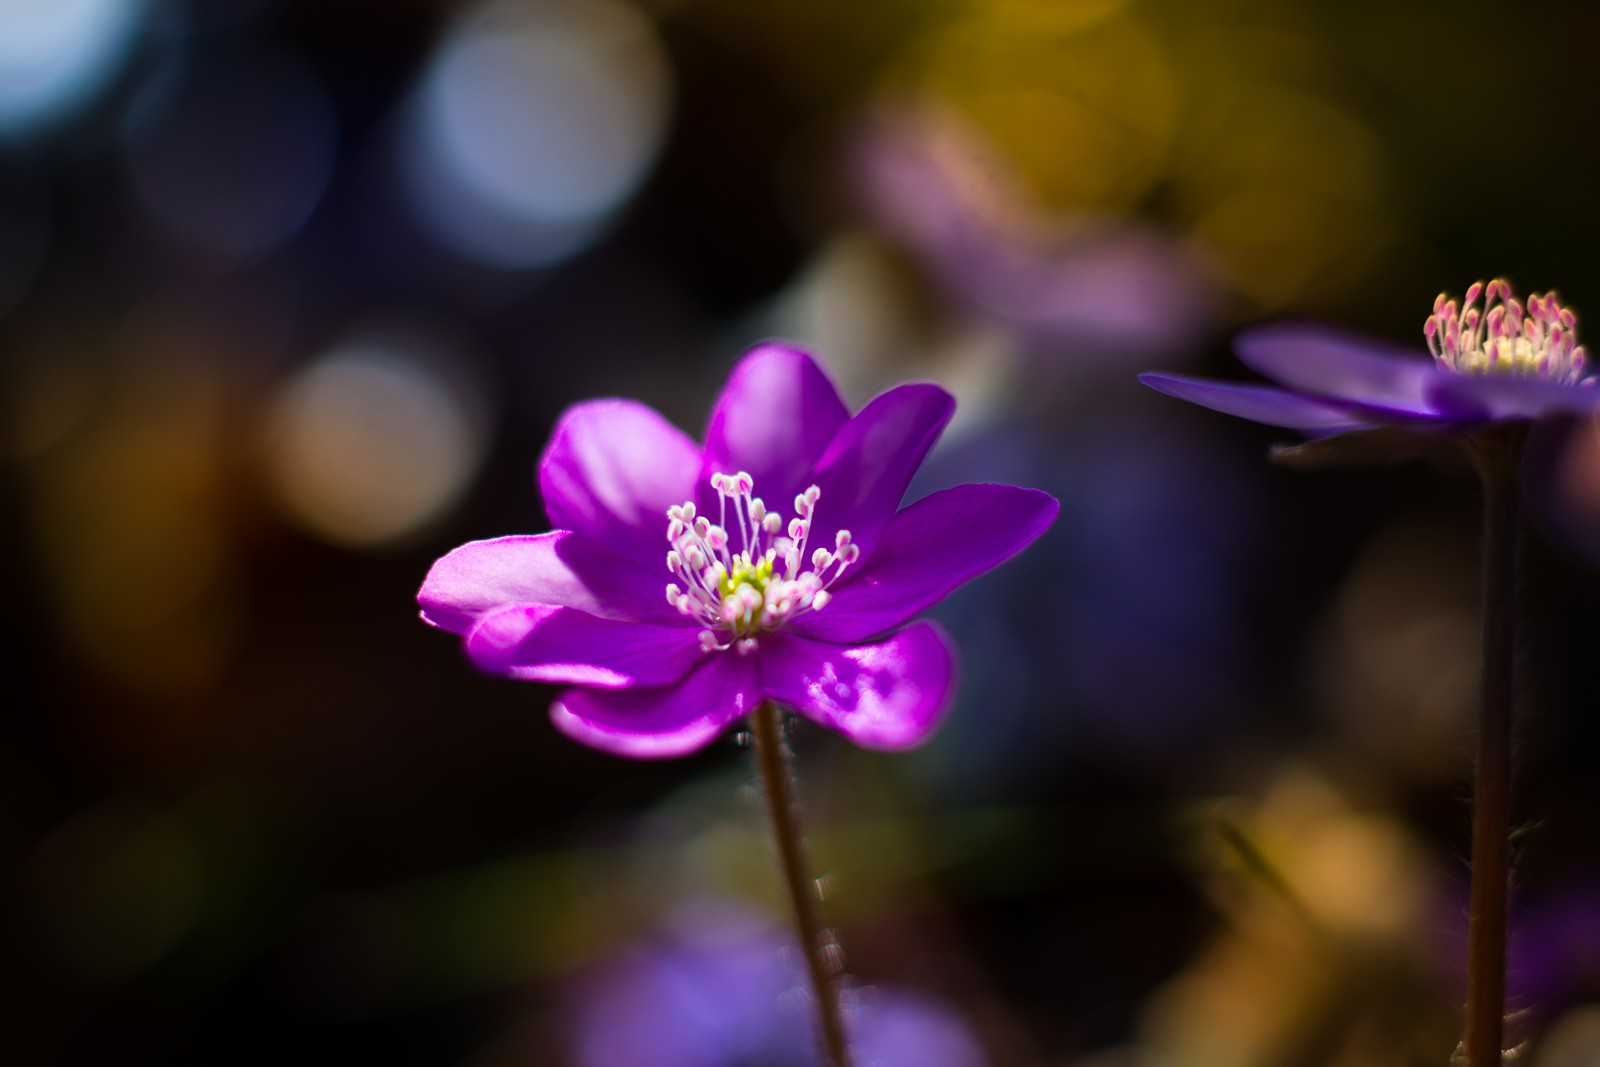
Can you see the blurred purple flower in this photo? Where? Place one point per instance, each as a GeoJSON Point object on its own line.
{"type": "Point", "coordinates": [1552, 950]}
{"type": "Point", "coordinates": [1555, 948]}
{"type": "Point", "coordinates": [720, 987]}
{"type": "Point", "coordinates": [1154, 572]}
{"type": "Point", "coordinates": [1498, 361]}
{"type": "Point", "coordinates": [667, 648]}
{"type": "Point", "coordinates": [1108, 285]}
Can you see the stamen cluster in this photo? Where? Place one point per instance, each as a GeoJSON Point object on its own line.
{"type": "Point", "coordinates": [1503, 337]}
{"type": "Point", "coordinates": [740, 593]}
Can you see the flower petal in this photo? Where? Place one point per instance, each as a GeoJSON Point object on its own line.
{"type": "Point", "coordinates": [1259, 403]}
{"type": "Point", "coordinates": [931, 547]}
{"type": "Point", "coordinates": [774, 418]}
{"type": "Point", "coordinates": [887, 695]}
{"type": "Point", "coordinates": [1508, 396]}
{"type": "Point", "coordinates": [864, 472]}
{"type": "Point", "coordinates": [479, 577]}
{"type": "Point", "coordinates": [621, 586]}
{"type": "Point", "coordinates": [544, 643]}
{"type": "Point", "coordinates": [657, 722]}
{"type": "Point", "coordinates": [559, 567]}
{"type": "Point", "coordinates": [612, 469]}
{"type": "Point", "coordinates": [1340, 366]}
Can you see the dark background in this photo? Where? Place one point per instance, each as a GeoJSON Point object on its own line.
{"type": "Point", "coordinates": [291, 294]}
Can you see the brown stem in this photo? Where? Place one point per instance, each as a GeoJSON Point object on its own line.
{"type": "Point", "coordinates": [1498, 458]}
{"type": "Point", "coordinates": [772, 754]}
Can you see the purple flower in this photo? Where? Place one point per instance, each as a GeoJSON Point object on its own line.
{"type": "Point", "coordinates": [719, 986]}
{"type": "Point", "coordinates": [932, 184]}
{"type": "Point", "coordinates": [1494, 362]}
{"type": "Point", "coordinates": [674, 599]}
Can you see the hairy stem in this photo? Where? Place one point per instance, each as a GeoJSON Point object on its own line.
{"type": "Point", "coordinates": [772, 754]}
{"type": "Point", "coordinates": [1498, 458]}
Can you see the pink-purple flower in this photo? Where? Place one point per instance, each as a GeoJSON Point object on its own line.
{"type": "Point", "coordinates": [685, 584]}
{"type": "Point", "coordinates": [1494, 359]}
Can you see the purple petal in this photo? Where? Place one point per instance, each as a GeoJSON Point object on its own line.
{"type": "Point", "coordinates": [612, 469]}
{"type": "Point", "coordinates": [870, 461]}
{"type": "Point", "coordinates": [774, 418]}
{"type": "Point", "coordinates": [559, 567]}
{"type": "Point", "coordinates": [1259, 403]}
{"type": "Point", "coordinates": [1507, 396]}
{"type": "Point", "coordinates": [623, 586]}
{"type": "Point", "coordinates": [1340, 366]}
{"type": "Point", "coordinates": [930, 548]}
{"type": "Point", "coordinates": [469, 582]}
{"type": "Point", "coordinates": [657, 722]}
{"type": "Point", "coordinates": [543, 643]}
{"type": "Point", "coordinates": [886, 695]}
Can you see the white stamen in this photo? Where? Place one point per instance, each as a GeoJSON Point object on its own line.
{"type": "Point", "coordinates": [737, 595]}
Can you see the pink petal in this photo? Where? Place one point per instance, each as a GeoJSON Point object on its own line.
{"type": "Point", "coordinates": [559, 567]}
{"type": "Point", "coordinates": [864, 472]}
{"type": "Point", "coordinates": [773, 420]}
{"type": "Point", "coordinates": [543, 643]}
{"type": "Point", "coordinates": [887, 695]}
{"type": "Point", "coordinates": [930, 548]}
{"type": "Point", "coordinates": [612, 469]}
{"type": "Point", "coordinates": [658, 722]}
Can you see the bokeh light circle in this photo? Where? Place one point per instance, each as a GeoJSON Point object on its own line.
{"type": "Point", "coordinates": [57, 55]}
{"type": "Point", "coordinates": [532, 125]}
{"type": "Point", "coordinates": [375, 438]}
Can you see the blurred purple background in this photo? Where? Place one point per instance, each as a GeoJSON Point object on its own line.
{"type": "Point", "coordinates": [291, 293]}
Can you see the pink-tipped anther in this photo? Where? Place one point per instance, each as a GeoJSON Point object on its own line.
{"type": "Point", "coordinates": [1502, 336]}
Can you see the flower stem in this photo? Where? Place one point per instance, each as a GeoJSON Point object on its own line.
{"type": "Point", "coordinates": [772, 754]}
{"type": "Point", "coordinates": [1498, 457]}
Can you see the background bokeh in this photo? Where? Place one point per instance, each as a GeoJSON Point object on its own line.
{"type": "Point", "coordinates": [291, 292]}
